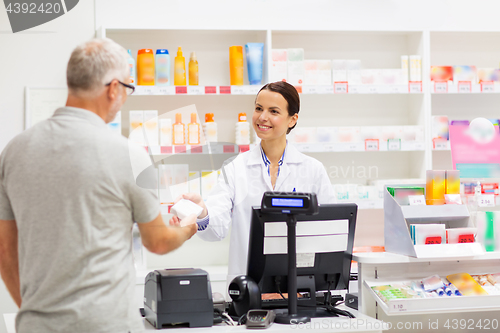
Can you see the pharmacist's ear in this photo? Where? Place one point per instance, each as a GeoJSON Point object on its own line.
{"type": "Point", "coordinates": [293, 121]}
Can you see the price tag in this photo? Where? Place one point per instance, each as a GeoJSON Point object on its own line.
{"type": "Point", "coordinates": [166, 149]}
{"type": "Point", "coordinates": [305, 148]}
{"type": "Point", "coordinates": [373, 90]}
{"type": "Point", "coordinates": [487, 86]}
{"type": "Point", "coordinates": [210, 90]}
{"type": "Point", "coordinates": [340, 87]}
{"type": "Point", "coordinates": [371, 145]}
{"type": "Point", "coordinates": [464, 87]}
{"type": "Point", "coordinates": [180, 149]}
{"type": "Point", "coordinates": [195, 90]}
{"type": "Point", "coordinates": [228, 149]}
{"type": "Point", "coordinates": [486, 200]}
{"type": "Point", "coordinates": [325, 89]}
{"type": "Point", "coordinates": [309, 89]}
{"type": "Point", "coordinates": [433, 240]}
{"type": "Point", "coordinates": [399, 307]}
{"type": "Point", "coordinates": [244, 148]}
{"type": "Point", "coordinates": [163, 91]}
{"type": "Point", "coordinates": [394, 144]}
{"type": "Point", "coordinates": [416, 200]}
{"type": "Point", "coordinates": [225, 89]}
{"type": "Point", "coordinates": [196, 149]}
{"type": "Point", "coordinates": [441, 87]}
{"type": "Point", "coordinates": [147, 90]}
{"type": "Point", "coordinates": [468, 238]}
{"type": "Point", "coordinates": [440, 145]}
{"type": "Point", "coordinates": [415, 87]}
{"type": "Point", "coordinates": [181, 90]}
{"type": "Point", "coordinates": [237, 90]}
{"type": "Point", "coordinates": [328, 147]}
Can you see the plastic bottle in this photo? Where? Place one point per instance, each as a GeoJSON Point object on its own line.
{"type": "Point", "coordinates": [131, 65]}
{"type": "Point", "coordinates": [179, 69]}
{"type": "Point", "coordinates": [193, 131]}
{"type": "Point", "coordinates": [193, 70]}
{"type": "Point", "coordinates": [178, 137]}
{"type": "Point", "coordinates": [162, 59]}
{"type": "Point", "coordinates": [242, 130]}
{"type": "Point", "coordinates": [210, 128]}
{"type": "Point", "coordinates": [145, 68]}
{"type": "Point", "coordinates": [236, 65]}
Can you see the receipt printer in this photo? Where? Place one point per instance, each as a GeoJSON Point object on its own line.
{"type": "Point", "coordinates": [178, 297]}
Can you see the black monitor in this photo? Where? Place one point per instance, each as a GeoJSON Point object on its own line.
{"type": "Point", "coordinates": [324, 251]}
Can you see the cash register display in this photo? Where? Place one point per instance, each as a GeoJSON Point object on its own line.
{"type": "Point", "coordinates": [283, 202]}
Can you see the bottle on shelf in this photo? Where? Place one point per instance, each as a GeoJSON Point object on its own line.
{"type": "Point", "coordinates": [193, 131]}
{"type": "Point", "coordinates": [179, 69]}
{"type": "Point", "coordinates": [178, 137]}
{"type": "Point", "coordinates": [193, 70]}
{"type": "Point", "coordinates": [242, 130]}
{"type": "Point", "coordinates": [165, 132]}
{"type": "Point", "coordinates": [162, 59]}
{"type": "Point", "coordinates": [210, 128]}
{"type": "Point", "coordinates": [145, 68]}
{"type": "Point", "coordinates": [236, 65]}
{"type": "Point", "coordinates": [131, 65]}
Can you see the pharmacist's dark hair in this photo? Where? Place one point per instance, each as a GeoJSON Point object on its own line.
{"type": "Point", "coordinates": [289, 93]}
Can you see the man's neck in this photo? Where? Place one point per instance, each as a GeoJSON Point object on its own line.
{"type": "Point", "coordinates": [91, 105]}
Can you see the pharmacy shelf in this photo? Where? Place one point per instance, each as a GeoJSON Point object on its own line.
{"type": "Point", "coordinates": [338, 88]}
{"type": "Point", "coordinates": [441, 305]}
{"type": "Point", "coordinates": [229, 148]}
{"type": "Point", "coordinates": [464, 88]}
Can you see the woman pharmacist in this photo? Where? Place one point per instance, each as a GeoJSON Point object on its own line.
{"type": "Point", "coordinates": [274, 165]}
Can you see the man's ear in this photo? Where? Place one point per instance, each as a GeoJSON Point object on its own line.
{"type": "Point", "coordinates": [112, 91]}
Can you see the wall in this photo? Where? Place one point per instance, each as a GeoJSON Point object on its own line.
{"type": "Point", "coordinates": [37, 57]}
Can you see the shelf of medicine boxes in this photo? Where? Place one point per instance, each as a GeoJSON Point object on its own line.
{"type": "Point", "coordinates": [230, 148]}
{"type": "Point", "coordinates": [396, 269]}
{"type": "Point", "coordinates": [336, 88]}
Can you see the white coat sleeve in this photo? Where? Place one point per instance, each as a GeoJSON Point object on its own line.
{"type": "Point", "coordinates": [220, 205]}
{"type": "Point", "coordinates": [325, 191]}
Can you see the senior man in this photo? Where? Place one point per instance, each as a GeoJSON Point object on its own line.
{"type": "Point", "coordinates": [68, 200]}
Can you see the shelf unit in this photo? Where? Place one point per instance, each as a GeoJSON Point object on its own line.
{"type": "Point", "coordinates": [363, 105]}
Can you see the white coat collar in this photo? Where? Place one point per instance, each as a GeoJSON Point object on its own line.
{"type": "Point", "coordinates": [292, 155]}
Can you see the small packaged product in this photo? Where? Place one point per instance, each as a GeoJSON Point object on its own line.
{"type": "Point", "coordinates": [466, 284]}
{"type": "Point", "coordinates": [432, 283]}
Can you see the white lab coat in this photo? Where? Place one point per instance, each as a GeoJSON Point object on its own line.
{"type": "Point", "coordinates": [247, 180]}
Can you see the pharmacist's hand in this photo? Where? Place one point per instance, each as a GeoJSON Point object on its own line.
{"type": "Point", "coordinates": [197, 199]}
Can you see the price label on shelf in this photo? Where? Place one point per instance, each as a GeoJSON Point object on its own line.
{"type": "Point", "coordinates": [415, 87]}
{"type": "Point", "coordinates": [180, 90]}
{"type": "Point", "coordinates": [394, 144]}
{"type": "Point", "coordinates": [238, 90]}
{"type": "Point", "coordinates": [328, 147]}
{"type": "Point", "coordinates": [210, 90]}
{"type": "Point", "coordinates": [148, 90]}
{"type": "Point", "coordinates": [487, 86]}
{"type": "Point", "coordinates": [225, 89]}
{"type": "Point", "coordinates": [170, 90]}
{"type": "Point", "coordinates": [371, 144]}
{"type": "Point", "coordinates": [196, 149]}
{"type": "Point", "coordinates": [228, 149]}
{"type": "Point", "coordinates": [433, 240]}
{"type": "Point", "coordinates": [195, 90]}
{"type": "Point", "coordinates": [468, 238]}
{"type": "Point", "coordinates": [441, 145]}
{"type": "Point", "coordinates": [464, 86]}
{"type": "Point", "coordinates": [441, 87]}
{"type": "Point", "coordinates": [416, 200]}
{"type": "Point", "coordinates": [373, 90]}
{"type": "Point", "coordinates": [305, 148]}
{"type": "Point", "coordinates": [340, 87]}
{"type": "Point", "coordinates": [325, 89]}
{"type": "Point", "coordinates": [399, 306]}
{"type": "Point", "coordinates": [310, 90]}
{"type": "Point", "coordinates": [486, 200]}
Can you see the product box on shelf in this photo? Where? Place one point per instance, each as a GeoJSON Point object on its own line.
{"type": "Point", "coordinates": [279, 68]}
{"type": "Point", "coordinates": [295, 66]}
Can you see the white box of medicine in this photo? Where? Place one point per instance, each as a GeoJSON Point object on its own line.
{"type": "Point", "coordinates": [151, 127]}
{"type": "Point", "coordinates": [136, 121]}
{"type": "Point", "coordinates": [310, 72]}
{"type": "Point", "coordinates": [405, 69]}
{"type": "Point", "coordinates": [327, 134]}
{"type": "Point", "coordinates": [279, 68]}
{"type": "Point", "coordinates": [415, 68]}
{"type": "Point", "coordinates": [295, 66]}
{"type": "Point", "coordinates": [183, 208]}
{"type": "Point", "coordinates": [324, 72]}
{"type": "Point", "coordinates": [165, 132]}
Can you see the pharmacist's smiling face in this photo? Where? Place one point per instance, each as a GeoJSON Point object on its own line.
{"type": "Point", "coordinates": [270, 119]}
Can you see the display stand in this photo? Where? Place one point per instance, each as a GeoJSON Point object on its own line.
{"type": "Point", "coordinates": [397, 220]}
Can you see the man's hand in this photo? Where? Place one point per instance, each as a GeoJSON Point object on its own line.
{"type": "Point", "coordinates": [9, 260]}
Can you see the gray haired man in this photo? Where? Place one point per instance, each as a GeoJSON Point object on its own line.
{"type": "Point", "coordinates": [68, 200]}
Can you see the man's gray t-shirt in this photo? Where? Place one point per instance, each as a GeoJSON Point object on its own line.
{"type": "Point", "coordinates": [68, 183]}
